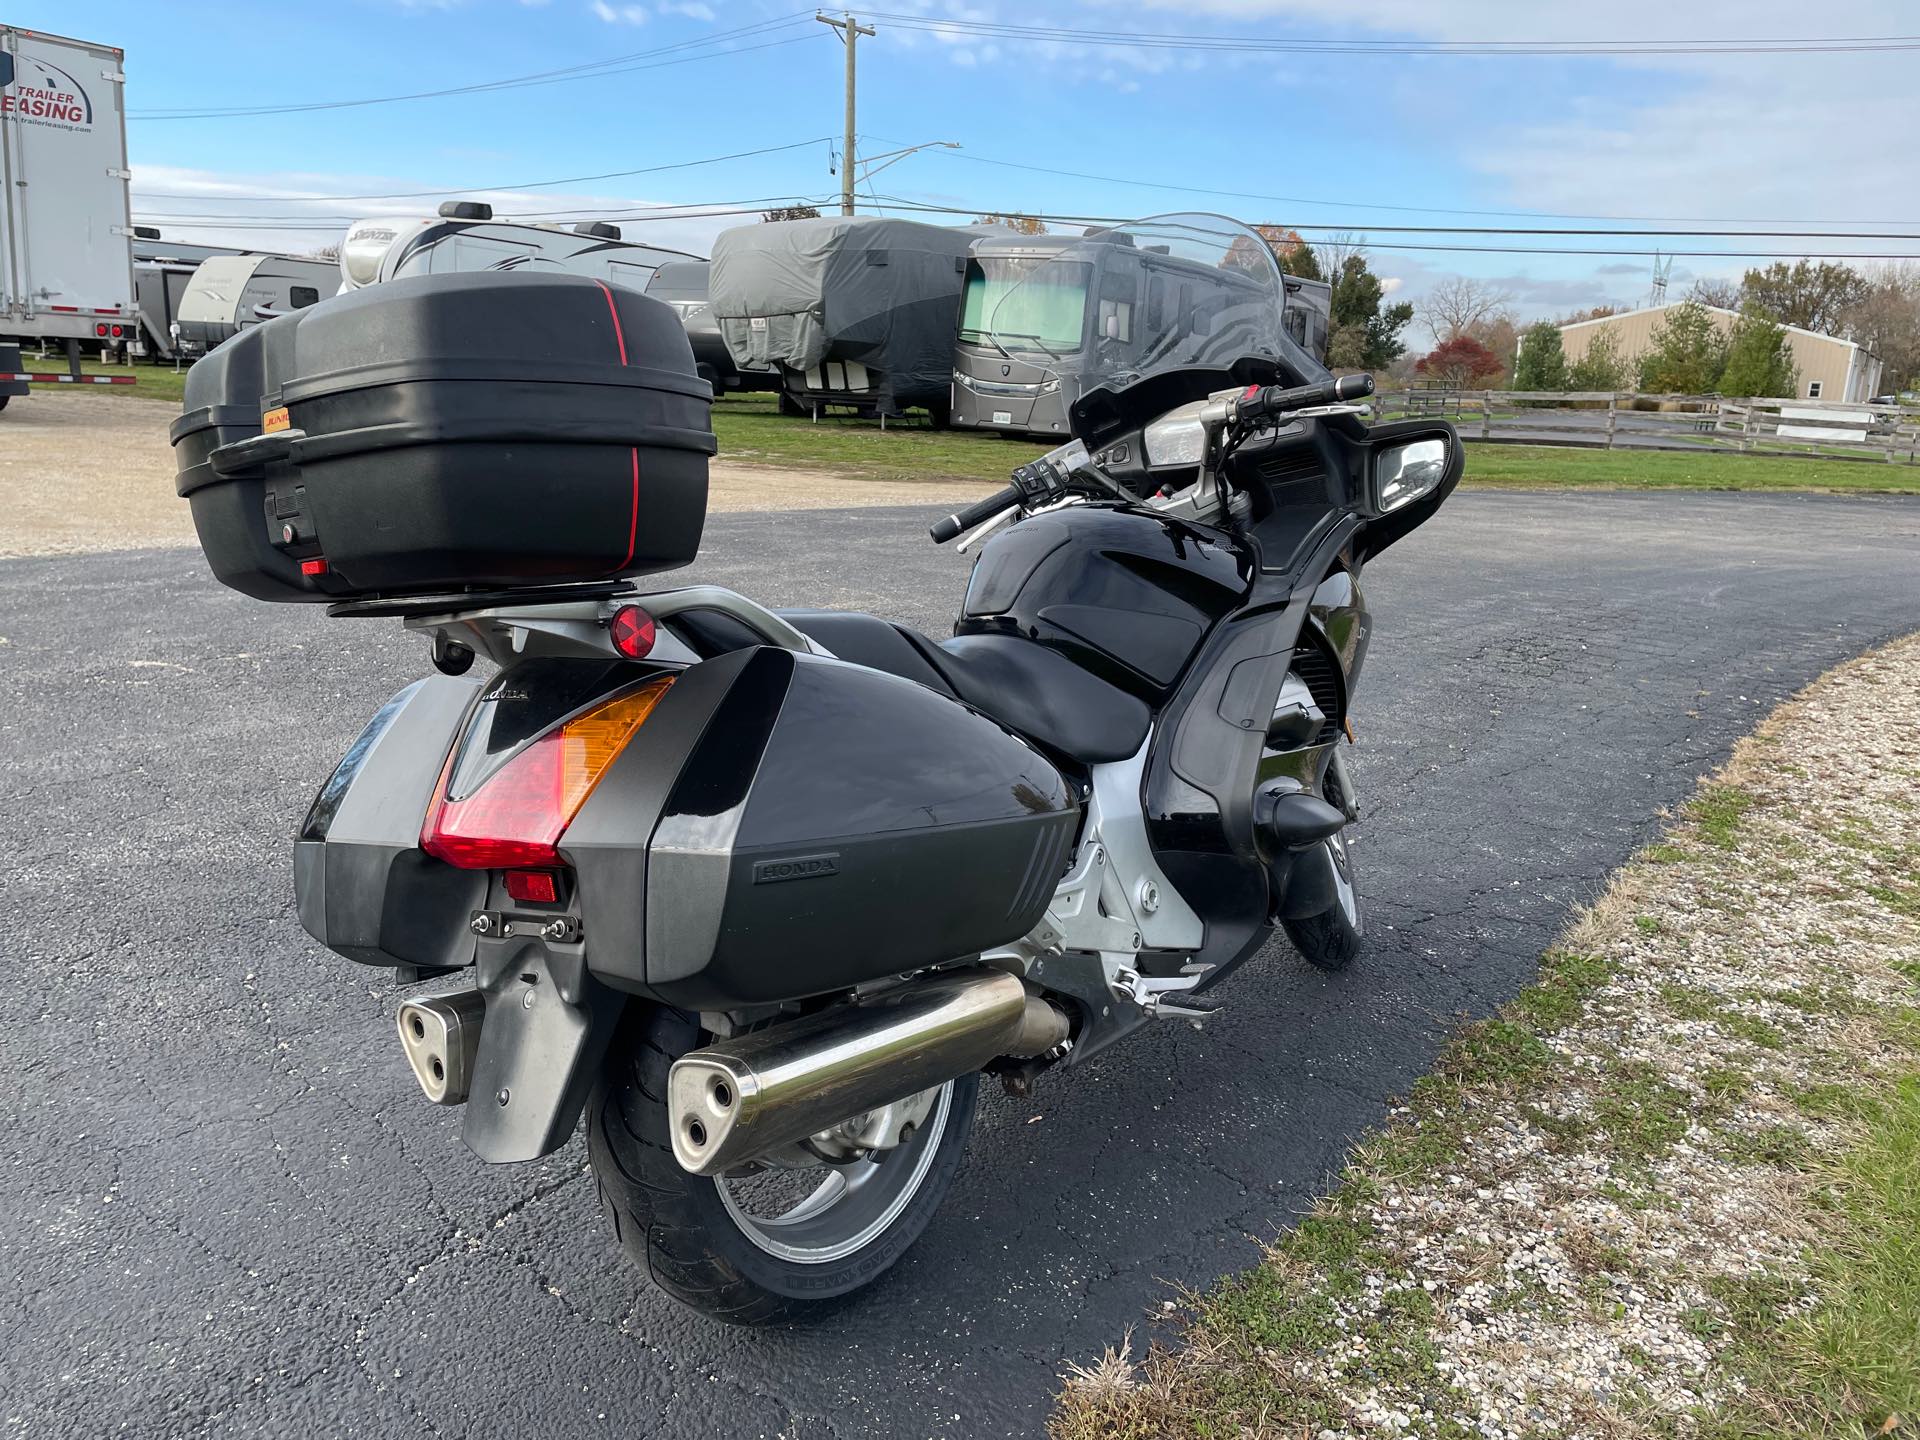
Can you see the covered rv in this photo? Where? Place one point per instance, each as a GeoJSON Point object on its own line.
{"type": "Point", "coordinates": [465, 236]}
{"type": "Point", "coordinates": [1035, 322]}
{"type": "Point", "coordinates": [683, 285]}
{"type": "Point", "coordinates": [851, 310]}
{"type": "Point", "coordinates": [230, 292]}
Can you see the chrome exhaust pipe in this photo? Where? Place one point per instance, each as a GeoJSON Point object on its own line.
{"type": "Point", "coordinates": [738, 1099]}
{"type": "Point", "coordinates": [440, 1036]}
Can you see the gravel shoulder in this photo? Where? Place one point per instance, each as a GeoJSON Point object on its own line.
{"type": "Point", "coordinates": [1668, 1190]}
{"type": "Point", "coordinates": [82, 473]}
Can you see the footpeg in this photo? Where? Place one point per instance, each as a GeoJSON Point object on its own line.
{"type": "Point", "coordinates": [441, 1036]}
{"type": "Point", "coordinates": [1170, 998]}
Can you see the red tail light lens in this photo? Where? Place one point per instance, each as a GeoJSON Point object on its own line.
{"type": "Point", "coordinates": [100, 330]}
{"type": "Point", "coordinates": [515, 819]}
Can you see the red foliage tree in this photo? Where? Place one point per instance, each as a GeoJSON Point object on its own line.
{"type": "Point", "coordinates": [1461, 361]}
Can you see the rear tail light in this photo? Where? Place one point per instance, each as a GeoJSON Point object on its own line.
{"type": "Point", "coordinates": [515, 818]}
{"type": "Point", "coordinates": [100, 330]}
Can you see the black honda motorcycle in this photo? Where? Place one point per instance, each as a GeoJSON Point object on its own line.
{"type": "Point", "coordinates": [762, 895]}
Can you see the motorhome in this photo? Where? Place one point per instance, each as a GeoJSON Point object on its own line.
{"type": "Point", "coordinates": [230, 292]}
{"type": "Point", "coordinates": [66, 270]}
{"type": "Point", "coordinates": [1039, 314]}
{"type": "Point", "coordinates": [465, 236]}
{"type": "Point", "coordinates": [853, 311]}
{"type": "Point", "coordinates": [683, 285]}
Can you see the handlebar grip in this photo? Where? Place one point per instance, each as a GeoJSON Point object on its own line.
{"type": "Point", "coordinates": [961, 521]}
{"type": "Point", "coordinates": [1276, 399]}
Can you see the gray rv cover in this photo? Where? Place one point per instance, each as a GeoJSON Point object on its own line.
{"type": "Point", "coordinates": [847, 287]}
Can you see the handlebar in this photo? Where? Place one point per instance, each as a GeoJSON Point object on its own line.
{"type": "Point", "coordinates": [964, 520]}
{"type": "Point", "coordinates": [1276, 399]}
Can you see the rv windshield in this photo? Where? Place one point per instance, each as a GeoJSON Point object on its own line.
{"type": "Point", "coordinates": [1031, 302]}
{"type": "Point", "coordinates": [1168, 291]}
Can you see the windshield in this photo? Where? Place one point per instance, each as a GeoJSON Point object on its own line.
{"type": "Point", "coordinates": [1031, 302]}
{"type": "Point", "coordinates": [1168, 291]}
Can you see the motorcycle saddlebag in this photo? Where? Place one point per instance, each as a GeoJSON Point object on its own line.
{"type": "Point", "coordinates": [444, 432]}
{"type": "Point", "coordinates": [786, 825]}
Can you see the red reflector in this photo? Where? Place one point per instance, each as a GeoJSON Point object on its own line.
{"type": "Point", "coordinates": [533, 887]}
{"type": "Point", "coordinates": [100, 330]}
{"type": "Point", "coordinates": [118, 331]}
{"type": "Point", "coordinates": [632, 632]}
{"type": "Point", "coordinates": [315, 566]}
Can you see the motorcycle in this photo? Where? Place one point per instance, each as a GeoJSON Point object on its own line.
{"type": "Point", "coordinates": [763, 895]}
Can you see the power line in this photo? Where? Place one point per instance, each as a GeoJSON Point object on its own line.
{"type": "Point", "coordinates": [472, 189]}
{"type": "Point", "coordinates": [595, 70]}
{"type": "Point", "coordinates": [1162, 40]}
{"type": "Point", "coordinates": [914, 206]}
{"type": "Point", "coordinates": [1136, 182]}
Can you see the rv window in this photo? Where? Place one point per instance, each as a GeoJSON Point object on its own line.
{"type": "Point", "coordinates": [301, 296]}
{"type": "Point", "coordinates": [1296, 323]}
{"type": "Point", "coordinates": [1015, 299]}
{"type": "Point", "coordinates": [1813, 389]}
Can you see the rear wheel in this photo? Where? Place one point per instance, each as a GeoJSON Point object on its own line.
{"type": "Point", "coordinates": [772, 1242]}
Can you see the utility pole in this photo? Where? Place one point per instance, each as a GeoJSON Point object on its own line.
{"type": "Point", "coordinates": [850, 32]}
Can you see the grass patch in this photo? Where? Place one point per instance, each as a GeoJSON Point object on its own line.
{"type": "Point", "coordinates": [1557, 467]}
{"type": "Point", "coordinates": [1716, 813]}
{"type": "Point", "coordinates": [151, 382]}
{"type": "Point", "coordinates": [1854, 1360]}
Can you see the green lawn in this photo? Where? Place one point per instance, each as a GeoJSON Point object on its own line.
{"type": "Point", "coordinates": [154, 382]}
{"type": "Point", "coordinates": [750, 427]}
{"type": "Point", "coordinates": [1556, 467]}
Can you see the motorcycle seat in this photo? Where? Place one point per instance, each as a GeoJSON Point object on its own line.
{"type": "Point", "coordinates": [1034, 691]}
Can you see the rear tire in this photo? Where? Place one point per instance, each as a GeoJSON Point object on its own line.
{"type": "Point", "coordinates": [682, 1228]}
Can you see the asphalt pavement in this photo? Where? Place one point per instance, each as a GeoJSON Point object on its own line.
{"type": "Point", "coordinates": [227, 1210]}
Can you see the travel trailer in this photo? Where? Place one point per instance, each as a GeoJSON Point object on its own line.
{"type": "Point", "coordinates": [230, 292]}
{"type": "Point", "coordinates": [852, 311]}
{"type": "Point", "coordinates": [1041, 313]}
{"type": "Point", "coordinates": [465, 236]}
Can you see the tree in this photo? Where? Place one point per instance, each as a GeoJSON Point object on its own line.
{"type": "Point", "coordinates": [1600, 366]}
{"type": "Point", "coordinates": [1759, 359]}
{"type": "Point", "coordinates": [1301, 262]}
{"type": "Point", "coordinates": [1460, 305]}
{"type": "Point", "coordinates": [1686, 354]}
{"type": "Point", "coordinates": [1813, 295]}
{"type": "Point", "coordinates": [1887, 322]}
{"type": "Point", "coordinates": [1461, 362]}
{"type": "Point", "coordinates": [1363, 336]}
{"type": "Point", "coordinates": [791, 212]}
{"type": "Point", "coordinates": [1019, 224]}
{"type": "Point", "coordinates": [326, 252]}
{"type": "Point", "coordinates": [1721, 294]}
{"type": "Point", "coordinates": [1598, 312]}
{"type": "Point", "coordinates": [1543, 359]}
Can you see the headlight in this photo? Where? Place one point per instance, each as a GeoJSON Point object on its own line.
{"type": "Point", "coordinates": [1406, 472]}
{"type": "Point", "coordinates": [1177, 437]}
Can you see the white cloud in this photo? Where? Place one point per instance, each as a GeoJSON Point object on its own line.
{"type": "Point", "coordinates": [301, 225]}
{"type": "Point", "coordinates": [692, 9]}
{"type": "Point", "coordinates": [620, 14]}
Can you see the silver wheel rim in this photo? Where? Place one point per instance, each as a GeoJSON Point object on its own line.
{"type": "Point", "coordinates": [1348, 902]}
{"type": "Point", "coordinates": [853, 1204]}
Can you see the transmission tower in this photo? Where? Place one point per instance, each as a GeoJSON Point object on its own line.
{"type": "Point", "coordinates": [1661, 269]}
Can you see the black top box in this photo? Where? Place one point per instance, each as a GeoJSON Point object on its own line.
{"type": "Point", "coordinates": [448, 432]}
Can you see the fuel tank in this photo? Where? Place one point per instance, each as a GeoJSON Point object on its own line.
{"type": "Point", "coordinates": [1127, 594]}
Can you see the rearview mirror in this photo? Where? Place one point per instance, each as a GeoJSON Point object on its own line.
{"type": "Point", "coordinates": [1404, 473]}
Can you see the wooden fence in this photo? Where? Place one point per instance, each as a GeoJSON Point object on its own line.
{"type": "Point", "coordinates": [1608, 420]}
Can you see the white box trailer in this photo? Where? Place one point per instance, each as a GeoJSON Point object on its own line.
{"type": "Point", "coordinates": [66, 258]}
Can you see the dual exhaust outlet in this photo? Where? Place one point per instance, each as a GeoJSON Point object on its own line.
{"type": "Point", "coordinates": [743, 1097]}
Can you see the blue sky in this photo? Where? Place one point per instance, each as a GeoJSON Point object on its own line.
{"type": "Point", "coordinates": [1333, 138]}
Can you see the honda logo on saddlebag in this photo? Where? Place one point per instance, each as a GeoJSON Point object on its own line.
{"type": "Point", "coordinates": [795, 867]}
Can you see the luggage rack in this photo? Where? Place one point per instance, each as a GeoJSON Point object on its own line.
{"type": "Point", "coordinates": [444, 602]}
